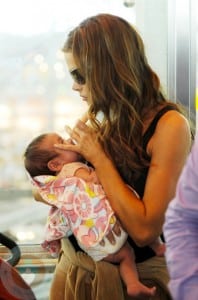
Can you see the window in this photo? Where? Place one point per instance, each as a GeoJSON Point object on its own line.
{"type": "Point", "coordinates": [36, 97]}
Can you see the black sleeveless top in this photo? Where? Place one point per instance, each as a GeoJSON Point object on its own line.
{"type": "Point", "coordinates": [141, 253]}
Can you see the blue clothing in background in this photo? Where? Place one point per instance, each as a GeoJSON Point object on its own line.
{"type": "Point", "coordinates": [181, 232]}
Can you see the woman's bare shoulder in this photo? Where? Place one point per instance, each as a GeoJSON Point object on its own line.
{"type": "Point", "coordinates": [173, 122]}
{"type": "Point", "coordinates": [173, 128]}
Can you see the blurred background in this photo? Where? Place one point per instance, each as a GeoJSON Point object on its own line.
{"type": "Point", "coordinates": [35, 87]}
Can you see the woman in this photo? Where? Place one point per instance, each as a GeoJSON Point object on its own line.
{"type": "Point", "coordinates": [142, 139]}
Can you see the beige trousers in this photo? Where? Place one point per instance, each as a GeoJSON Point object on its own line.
{"type": "Point", "coordinates": [78, 277]}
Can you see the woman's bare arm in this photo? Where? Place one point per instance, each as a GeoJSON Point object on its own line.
{"type": "Point", "coordinates": [168, 149]}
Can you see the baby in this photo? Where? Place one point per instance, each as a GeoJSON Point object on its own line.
{"type": "Point", "coordinates": [80, 207]}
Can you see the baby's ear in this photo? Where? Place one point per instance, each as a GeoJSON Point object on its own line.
{"type": "Point", "coordinates": [54, 165]}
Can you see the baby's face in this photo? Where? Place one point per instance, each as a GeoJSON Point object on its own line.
{"type": "Point", "coordinates": [65, 155]}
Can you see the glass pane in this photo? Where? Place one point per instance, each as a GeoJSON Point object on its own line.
{"type": "Point", "coordinates": [36, 95]}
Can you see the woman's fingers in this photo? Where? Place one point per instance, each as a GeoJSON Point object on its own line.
{"type": "Point", "coordinates": [84, 141]}
{"type": "Point", "coordinates": [72, 134]}
{"type": "Point", "coordinates": [82, 126]}
{"type": "Point", "coordinates": [116, 231]}
{"type": "Point", "coordinates": [84, 117]}
{"type": "Point", "coordinates": [111, 238]}
{"type": "Point", "coordinates": [117, 228]}
{"type": "Point", "coordinates": [68, 130]}
{"type": "Point", "coordinates": [66, 147]}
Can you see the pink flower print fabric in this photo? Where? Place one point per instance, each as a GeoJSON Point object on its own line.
{"type": "Point", "coordinates": [83, 207]}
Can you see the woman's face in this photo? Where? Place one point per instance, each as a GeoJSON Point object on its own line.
{"type": "Point", "coordinates": [79, 83]}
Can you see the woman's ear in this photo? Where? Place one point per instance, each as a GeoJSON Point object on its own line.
{"type": "Point", "coordinates": [54, 165]}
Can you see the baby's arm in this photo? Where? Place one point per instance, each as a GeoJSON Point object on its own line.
{"type": "Point", "coordinates": [37, 196]}
{"type": "Point", "coordinates": [87, 174]}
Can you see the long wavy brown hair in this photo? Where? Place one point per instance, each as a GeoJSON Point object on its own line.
{"type": "Point", "coordinates": [109, 54]}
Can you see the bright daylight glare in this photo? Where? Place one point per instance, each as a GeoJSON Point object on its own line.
{"type": "Point", "coordinates": [29, 17]}
{"type": "Point", "coordinates": [36, 94]}
{"type": "Point", "coordinates": [36, 97]}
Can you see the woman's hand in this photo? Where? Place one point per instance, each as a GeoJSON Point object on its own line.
{"type": "Point", "coordinates": [111, 236]}
{"type": "Point", "coordinates": [85, 142]}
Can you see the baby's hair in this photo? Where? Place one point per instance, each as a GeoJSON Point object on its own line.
{"type": "Point", "coordinates": [36, 158]}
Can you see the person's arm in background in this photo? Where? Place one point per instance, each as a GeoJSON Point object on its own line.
{"type": "Point", "coordinates": [181, 232]}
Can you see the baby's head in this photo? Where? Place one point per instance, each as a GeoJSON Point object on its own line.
{"type": "Point", "coordinates": [42, 158]}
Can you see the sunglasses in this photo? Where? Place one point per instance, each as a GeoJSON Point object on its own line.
{"type": "Point", "coordinates": [77, 77]}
